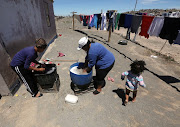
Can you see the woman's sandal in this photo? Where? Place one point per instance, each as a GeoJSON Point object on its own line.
{"type": "Point", "coordinates": [39, 95]}
{"type": "Point", "coordinates": [96, 92]}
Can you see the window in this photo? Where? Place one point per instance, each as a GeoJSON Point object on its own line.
{"type": "Point", "coordinates": [47, 14]}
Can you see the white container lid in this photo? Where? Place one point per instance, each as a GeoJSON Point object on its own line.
{"type": "Point", "coordinates": [71, 98]}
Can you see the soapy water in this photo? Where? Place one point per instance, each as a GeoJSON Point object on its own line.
{"type": "Point", "coordinates": [77, 71]}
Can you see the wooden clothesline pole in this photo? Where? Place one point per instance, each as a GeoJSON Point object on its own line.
{"type": "Point", "coordinates": [163, 46]}
{"type": "Point", "coordinates": [73, 18]}
{"type": "Point", "coordinates": [135, 5]}
{"type": "Point", "coordinates": [109, 37]}
{"type": "Point", "coordinates": [110, 29]}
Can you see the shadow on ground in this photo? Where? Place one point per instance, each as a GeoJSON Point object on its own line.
{"type": "Point", "coordinates": [167, 79]}
{"type": "Point", "coordinates": [121, 94]}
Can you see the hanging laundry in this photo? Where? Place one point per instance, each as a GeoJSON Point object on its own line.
{"type": "Point", "coordinates": [103, 21]}
{"type": "Point", "coordinates": [170, 29]}
{"type": "Point", "coordinates": [136, 21]}
{"type": "Point", "coordinates": [81, 17]}
{"type": "Point", "coordinates": [146, 22]}
{"type": "Point", "coordinates": [121, 21]}
{"type": "Point", "coordinates": [165, 14]}
{"type": "Point", "coordinates": [151, 14]}
{"type": "Point", "coordinates": [175, 14]}
{"type": "Point", "coordinates": [92, 22]}
{"type": "Point", "coordinates": [117, 20]}
{"type": "Point", "coordinates": [85, 20]}
{"type": "Point", "coordinates": [128, 21]}
{"type": "Point", "coordinates": [99, 21]}
{"type": "Point", "coordinates": [90, 19]}
{"type": "Point", "coordinates": [139, 13]}
{"type": "Point", "coordinates": [114, 20]}
{"type": "Point", "coordinates": [95, 20]}
{"type": "Point", "coordinates": [156, 26]}
{"type": "Point", "coordinates": [107, 15]}
{"type": "Point", "coordinates": [111, 21]}
{"type": "Point", "coordinates": [177, 41]}
{"type": "Point", "coordinates": [77, 17]}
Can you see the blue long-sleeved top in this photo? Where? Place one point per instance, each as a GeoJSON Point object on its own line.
{"type": "Point", "coordinates": [24, 57]}
{"type": "Point", "coordinates": [99, 56]}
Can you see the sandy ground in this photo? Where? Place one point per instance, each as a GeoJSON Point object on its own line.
{"type": "Point", "coordinates": [155, 44]}
{"type": "Point", "coordinates": [157, 105]}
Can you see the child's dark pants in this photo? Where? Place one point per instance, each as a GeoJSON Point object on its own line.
{"type": "Point", "coordinates": [27, 78]}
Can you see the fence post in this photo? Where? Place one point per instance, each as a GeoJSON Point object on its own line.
{"type": "Point", "coordinates": [110, 28]}
{"type": "Point", "coordinates": [73, 18]}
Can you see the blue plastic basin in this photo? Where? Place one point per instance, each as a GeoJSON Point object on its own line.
{"type": "Point", "coordinates": [80, 79]}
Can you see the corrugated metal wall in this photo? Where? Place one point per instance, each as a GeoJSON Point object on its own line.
{"type": "Point", "coordinates": [22, 21]}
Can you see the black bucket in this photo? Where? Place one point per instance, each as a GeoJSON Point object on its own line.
{"type": "Point", "coordinates": [47, 78]}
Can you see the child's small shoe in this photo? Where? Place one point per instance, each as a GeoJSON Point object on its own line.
{"type": "Point", "coordinates": [125, 102]}
{"type": "Point", "coordinates": [122, 77]}
{"type": "Point", "coordinates": [133, 100]}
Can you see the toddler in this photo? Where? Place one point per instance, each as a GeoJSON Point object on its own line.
{"type": "Point", "coordinates": [134, 79]}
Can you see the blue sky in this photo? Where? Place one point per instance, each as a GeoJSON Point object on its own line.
{"type": "Point", "coordinates": [64, 7]}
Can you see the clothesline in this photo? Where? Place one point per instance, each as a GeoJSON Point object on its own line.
{"type": "Point", "coordinates": [159, 26]}
{"type": "Point", "coordinates": [88, 15]}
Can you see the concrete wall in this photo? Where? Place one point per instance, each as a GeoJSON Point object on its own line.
{"type": "Point", "coordinates": [49, 32]}
{"type": "Point", "coordinates": [21, 22]}
{"type": "Point", "coordinates": [6, 72]}
{"type": "Point", "coordinates": [4, 90]}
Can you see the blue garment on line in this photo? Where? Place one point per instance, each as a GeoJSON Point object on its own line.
{"type": "Point", "coordinates": [128, 21]}
{"type": "Point", "coordinates": [177, 41]}
{"type": "Point", "coordinates": [95, 20]}
{"type": "Point", "coordinates": [99, 21]}
{"type": "Point", "coordinates": [92, 22]}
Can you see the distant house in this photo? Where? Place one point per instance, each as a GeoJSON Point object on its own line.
{"type": "Point", "coordinates": [21, 22]}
